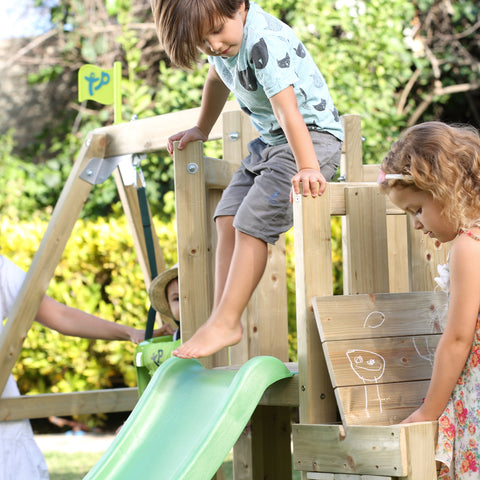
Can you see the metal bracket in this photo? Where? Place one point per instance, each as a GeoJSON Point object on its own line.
{"type": "Point", "coordinates": [99, 169]}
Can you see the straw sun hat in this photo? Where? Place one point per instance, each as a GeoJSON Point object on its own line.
{"type": "Point", "coordinates": [157, 291]}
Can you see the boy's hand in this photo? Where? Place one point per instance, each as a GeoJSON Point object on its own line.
{"type": "Point", "coordinates": [312, 180]}
{"type": "Point", "coordinates": [185, 137]}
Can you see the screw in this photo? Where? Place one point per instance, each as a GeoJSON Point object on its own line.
{"type": "Point", "coordinates": [192, 168]}
{"type": "Point", "coordinates": [89, 172]}
{"type": "Point", "coordinates": [234, 136]}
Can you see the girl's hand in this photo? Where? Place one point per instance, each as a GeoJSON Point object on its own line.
{"type": "Point", "coordinates": [312, 180]}
{"type": "Point", "coordinates": [417, 416]}
{"type": "Point", "coordinates": [163, 330]}
{"type": "Point", "coordinates": [184, 137]}
{"type": "Point", "coordinates": [137, 335]}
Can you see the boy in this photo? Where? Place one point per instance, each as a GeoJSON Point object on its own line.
{"type": "Point", "coordinates": [275, 81]}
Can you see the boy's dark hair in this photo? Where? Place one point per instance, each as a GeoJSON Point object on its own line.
{"type": "Point", "coordinates": [181, 24]}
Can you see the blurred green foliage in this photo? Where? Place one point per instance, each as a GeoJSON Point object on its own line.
{"type": "Point", "coordinates": [98, 273]}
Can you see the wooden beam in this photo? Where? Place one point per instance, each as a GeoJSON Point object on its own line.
{"type": "Point", "coordinates": [151, 134]}
{"type": "Point", "coordinates": [379, 450]}
{"type": "Point", "coordinates": [76, 403]}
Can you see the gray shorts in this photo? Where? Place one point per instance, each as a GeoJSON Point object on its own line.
{"type": "Point", "coordinates": [258, 196]}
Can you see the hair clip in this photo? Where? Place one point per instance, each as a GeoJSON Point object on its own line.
{"type": "Point", "coordinates": [382, 176]}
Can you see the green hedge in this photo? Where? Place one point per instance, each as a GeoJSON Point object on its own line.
{"type": "Point", "coordinates": [98, 273]}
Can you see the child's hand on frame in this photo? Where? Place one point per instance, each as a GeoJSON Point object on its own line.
{"type": "Point", "coordinates": [184, 137]}
{"type": "Point", "coordinates": [308, 181]}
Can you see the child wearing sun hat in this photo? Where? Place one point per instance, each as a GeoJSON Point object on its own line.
{"type": "Point", "coordinates": [163, 293]}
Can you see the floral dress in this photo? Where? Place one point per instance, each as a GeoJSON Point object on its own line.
{"type": "Point", "coordinates": [458, 447]}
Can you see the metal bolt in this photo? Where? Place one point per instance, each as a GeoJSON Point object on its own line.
{"type": "Point", "coordinates": [192, 168]}
{"type": "Point", "coordinates": [234, 136]}
{"type": "Point", "coordinates": [89, 172]}
{"type": "Point", "coordinates": [88, 142]}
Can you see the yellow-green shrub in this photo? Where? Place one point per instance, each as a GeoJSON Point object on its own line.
{"type": "Point", "coordinates": [98, 273]}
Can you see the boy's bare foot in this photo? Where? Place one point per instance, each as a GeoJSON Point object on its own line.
{"type": "Point", "coordinates": [209, 339]}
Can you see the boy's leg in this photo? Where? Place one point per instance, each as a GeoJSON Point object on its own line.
{"type": "Point", "coordinates": [223, 255]}
{"type": "Point", "coordinates": [224, 327]}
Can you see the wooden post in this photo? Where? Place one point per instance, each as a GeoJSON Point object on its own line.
{"type": "Point", "coordinates": [366, 230]}
{"type": "Point", "coordinates": [193, 254]}
{"type": "Point", "coordinates": [351, 165]}
{"type": "Point", "coordinates": [313, 276]}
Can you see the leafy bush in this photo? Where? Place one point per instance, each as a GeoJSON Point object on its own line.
{"type": "Point", "coordinates": [98, 273]}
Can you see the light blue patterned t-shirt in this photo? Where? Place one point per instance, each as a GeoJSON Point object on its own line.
{"type": "Point", "coordinates": [271, 58]}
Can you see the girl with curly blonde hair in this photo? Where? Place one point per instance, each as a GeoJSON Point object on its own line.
{"type": "Point", "coordinates": [433, 173]}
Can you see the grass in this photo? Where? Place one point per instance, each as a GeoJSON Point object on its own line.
{"type": "Point", "coordinates": [70, 466]}
{"type": "Point", "coordinates": [74, 466]}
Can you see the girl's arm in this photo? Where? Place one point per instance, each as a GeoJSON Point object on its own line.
{"type": "Point", "coordinates": [214, 96]}
{"type": "Point", "coordinates": [457, 339]}
{"type": "Point", "coordinates": [286, 111]}
{"type": "Point", "coordinates": [73, 322]}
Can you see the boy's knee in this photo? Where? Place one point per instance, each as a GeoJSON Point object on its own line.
{"type": "Point", "coordinates": [224, 222]}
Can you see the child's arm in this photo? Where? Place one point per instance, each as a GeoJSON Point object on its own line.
{"type": "Point", "coordinates": [73, 322]}
{"type": "Point", "coordinates": [457, 339]}
{"type": "Point", "coordinates": [214, 96]}
{"type": "Point", "coordinates": [286, 111]}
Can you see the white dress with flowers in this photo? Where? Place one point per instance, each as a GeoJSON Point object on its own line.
{"type": "Point", "coordinates": [458, 447]}
{"type": "Point", "coordinates": [20, 457]}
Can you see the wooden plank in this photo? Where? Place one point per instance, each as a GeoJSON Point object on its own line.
{"type": "Point", "coordinates": [351, 164]}
{"type": "Point", "coordinates": [398, 268]}
{"type": "Point", "coordinates": [271, 445]}
{"type": "Point", "coordinates": [282, 394]}
{"type": "Point", "coordinates": [66, 212]}
{"type": "Point", "coordinates": [398, 451]}
{"type": "Point", "coordinates": [366, 232]}
{"type": "Point", "coordinates": [151, 134]}
{"type": "Point", "coordinates": [370, 172]}
{"type": "Point", "coordinates": [336, 195]}
{"type": "Point", "coordinates": [379, 373]}
{"type": "Point", "coordinates": [424, 255]}
{"type": "Point", "coordinates": [76, 403]}
{"type": "Point", "coordinates": [192, 245]}
{"type": "Point", "coordinates": [379, 404]}
{"type": "Point", "coordinates": [218, 172]}
{"type": "Point", "coordinates": [345, 476]}
{"type": "Point", "coordinates": [420, 443]}
{"type": "Point", "coordinates": [313, 276]}
{"type": "Point", "coordinates": [238, 131]}
{"type": "Point", "coordinates": [364, 450]}
{"type": "Point", "coordinates": [380, 315]}
{"type": "Point", "coordinates": [381, 360]}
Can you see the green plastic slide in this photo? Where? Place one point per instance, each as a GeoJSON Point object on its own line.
{"type": "Point", "coordinates": [187, 420]}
